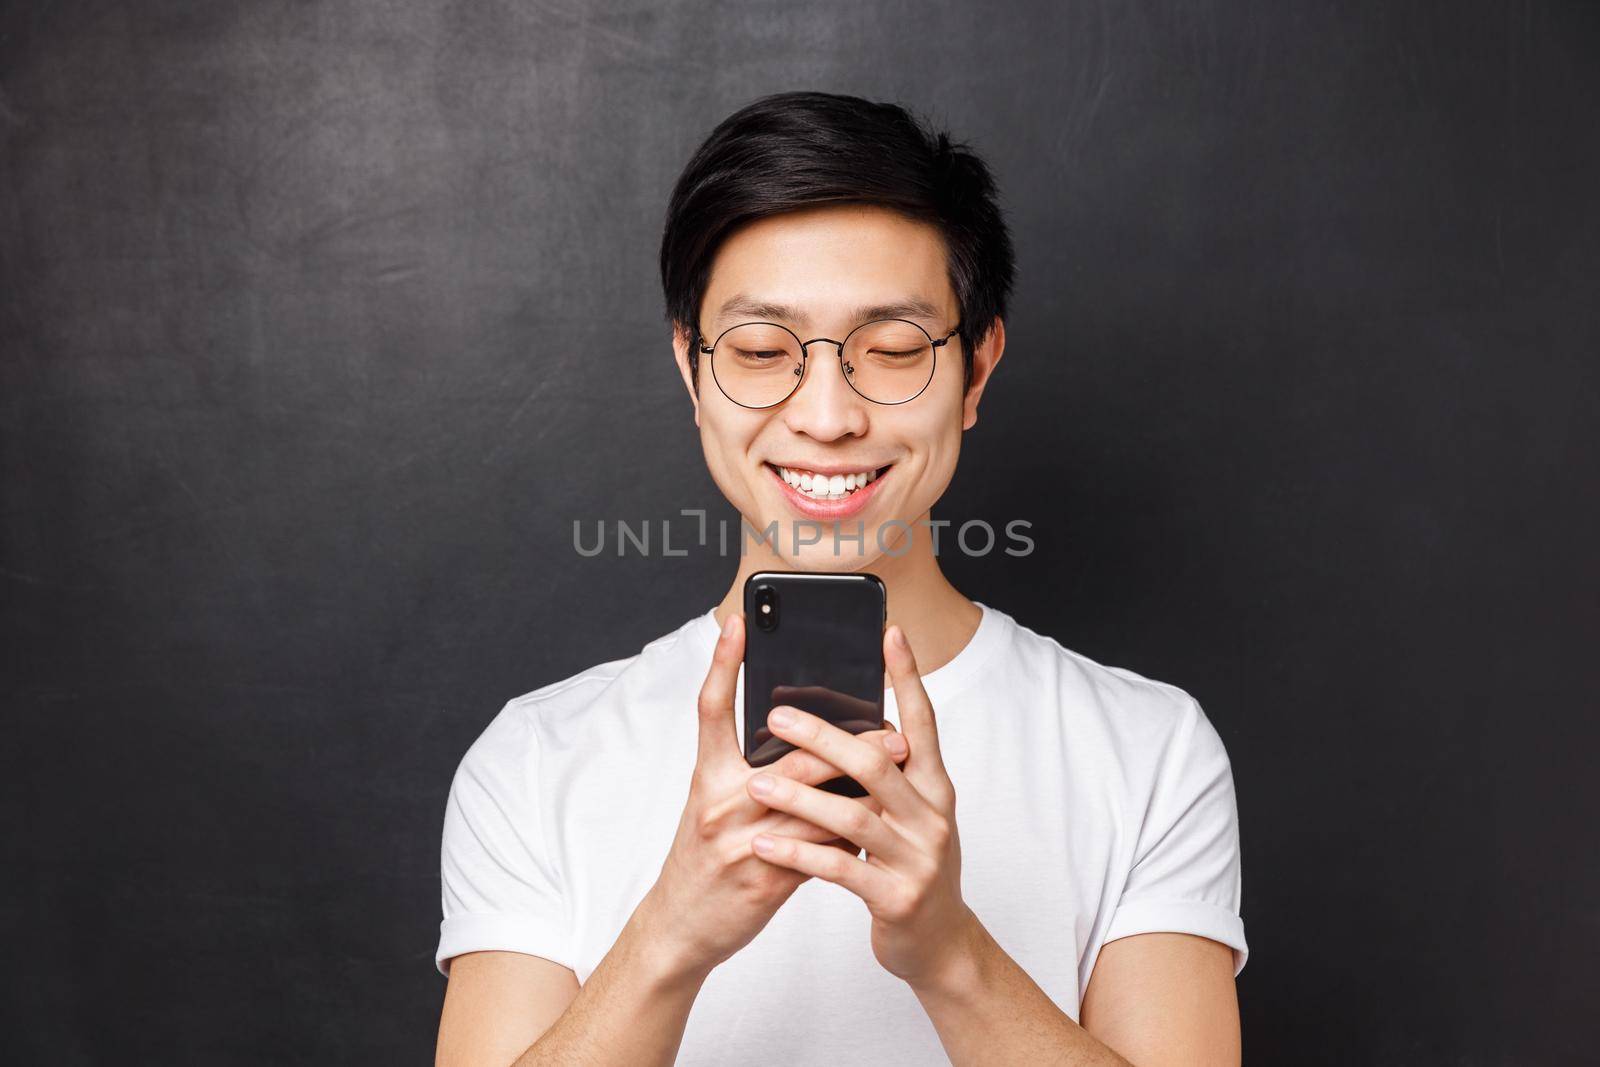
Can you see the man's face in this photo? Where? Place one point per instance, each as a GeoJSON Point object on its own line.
{"type": "Point", "coordinates": [824, 264]}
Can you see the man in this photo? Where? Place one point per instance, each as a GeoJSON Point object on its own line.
{"type": "Point", "coordinates": [1087, 911]}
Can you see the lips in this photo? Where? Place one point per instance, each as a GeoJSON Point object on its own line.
{"type": "Point", "coordinates": [830, 494]}
{"type": "Point", "coordinates": [826, 486]}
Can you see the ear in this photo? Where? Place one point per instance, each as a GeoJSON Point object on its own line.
{"type": "Point", "coordinates": [984, 360]}
{"type": "Point", "coordinates": [681, 341]}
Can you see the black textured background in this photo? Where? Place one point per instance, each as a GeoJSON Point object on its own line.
{"type": "Point", "coordinates": [310, 315]}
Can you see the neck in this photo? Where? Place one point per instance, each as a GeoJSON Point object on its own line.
{"type": "Point", "coordinates": [938, 621]}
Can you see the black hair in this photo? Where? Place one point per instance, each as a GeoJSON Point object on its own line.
{"type": "Point", "coordinates": [796, 150]}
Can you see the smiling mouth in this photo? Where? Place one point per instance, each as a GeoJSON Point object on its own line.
{"type": "Point", "coordinates": [828, 486]}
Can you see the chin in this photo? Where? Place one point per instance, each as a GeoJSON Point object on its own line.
{"type": "Point", "coordinates": [817, 558]}
{"type": "Point", "coordinates": [814, 555]}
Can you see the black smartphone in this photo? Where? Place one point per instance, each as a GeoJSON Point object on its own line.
{"type": "Point", "coordinates": [813, 641]}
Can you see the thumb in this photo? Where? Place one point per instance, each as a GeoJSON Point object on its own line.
{"type": "Point", "coordinates": [917, 720]}
{"type": "Point", "coordinates": [719, 737]}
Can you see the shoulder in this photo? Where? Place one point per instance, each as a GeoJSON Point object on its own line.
{"type": "Point", "coordinates": [1142, 719]}
{"type": "Point", "coordinates": [535, 720]}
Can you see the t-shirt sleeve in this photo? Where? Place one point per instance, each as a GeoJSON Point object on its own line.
{"type": "Point", "coordinates": [501, 887]}
{"type": "Point", "coordinates": [1186, 874]}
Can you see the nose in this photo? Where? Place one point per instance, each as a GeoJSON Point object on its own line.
{"type": "Point", "coordinates": [825, 407]}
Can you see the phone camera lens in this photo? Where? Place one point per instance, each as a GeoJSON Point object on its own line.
{"type": "Point", "coordinates": [766, 608]}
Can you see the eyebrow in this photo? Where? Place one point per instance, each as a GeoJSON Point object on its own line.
{"type": "Point", "coordinates": [742, 305]}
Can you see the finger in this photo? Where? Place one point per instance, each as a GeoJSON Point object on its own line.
{"type": "Point", "coordinates": [831, 704]}
{"type": "Point", "coordinates": [778, 822]}
{"type": "Point", "coordinates": [916, 710]}
{"type": "Point", "coordinates": [737, 808]}
{"type": "Point", "coordinates": [719, 737]}
{"type": "Point", "coordinates": [872, 884]}
{"type": "Point", "coordinates": [845, 817]}
{"type": "Point", "coordinates": [802, 766]}
{"type": "Point", "coordinates": [867, 763]}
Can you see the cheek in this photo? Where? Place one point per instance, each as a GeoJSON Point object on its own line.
{"type": "Point", "coordinates": [714, 444]}
{"type": "Point", "coordinates": [944, 449]}
{"type": "Point", "coordinates": [726, 444]}
{"type": "Point", "coordinates": [939, 424]}
{"type": "Point", "coordinates": [935, 436]}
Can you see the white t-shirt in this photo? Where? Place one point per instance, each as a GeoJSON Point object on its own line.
{"type": "Point", "coordinates": [1092, 803]}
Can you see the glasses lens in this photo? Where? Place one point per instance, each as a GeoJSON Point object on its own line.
{"type": "Point", "coordinates": [757, 364]}
{"type": "Point", "coordinates": [889, 361]}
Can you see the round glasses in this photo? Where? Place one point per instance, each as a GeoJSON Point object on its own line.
{"type": "Point", "coordinates": [886, 361]}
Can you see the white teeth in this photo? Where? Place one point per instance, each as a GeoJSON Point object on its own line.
{"type": "Point", "coordinates": [827, 487]}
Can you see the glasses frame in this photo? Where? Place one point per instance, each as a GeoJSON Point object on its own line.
{"type": "Point", "coordinates": [805, 359]}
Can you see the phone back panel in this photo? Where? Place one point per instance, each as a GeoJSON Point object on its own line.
{"type": "Point", "coordinates": [823, 654]}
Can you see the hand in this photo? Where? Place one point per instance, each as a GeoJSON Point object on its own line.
{"type": "Point", "coordinates": [911, 877]}
{"type": "Point", "coordinates": [713, 896]}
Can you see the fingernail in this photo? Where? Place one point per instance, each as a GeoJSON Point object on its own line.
{"type": "Point", "coordinates": [781, 718]}
{"type": "Point", "coordinates": [762, 844]}
{"type": "Point", "coordinates": [761, 784]}
{"type": "Point", "coordinates": [727, 625]}
{"type": "Point", "coordinates": [900, 638]}
{"type": "Point", "coordinates": [895, 744]}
